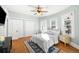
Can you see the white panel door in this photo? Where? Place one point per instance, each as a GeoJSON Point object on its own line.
{"type": "Point", "coordinates": [29, 27]}
{"type": "Point", "coordinates": [15, 28]}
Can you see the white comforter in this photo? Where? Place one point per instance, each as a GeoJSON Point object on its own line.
{"type": "Point", "coordinates": [44, 40]}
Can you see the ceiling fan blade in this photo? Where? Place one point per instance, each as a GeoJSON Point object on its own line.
{"type": "Point", "coordinates": [35, 6]}
{"type": "Point", "coordinates": [44, 11]}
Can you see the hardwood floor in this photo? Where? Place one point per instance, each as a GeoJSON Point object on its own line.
{"type": "Point", "coordinates": [66, 49]}
{"type": "Point", "coordinates": [18, 46]}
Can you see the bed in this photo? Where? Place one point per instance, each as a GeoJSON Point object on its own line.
{"type": "Point", "coordinates": [45, 40]}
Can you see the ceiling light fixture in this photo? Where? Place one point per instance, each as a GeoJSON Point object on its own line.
{"type": "Point", "coordinates": [39, 10]}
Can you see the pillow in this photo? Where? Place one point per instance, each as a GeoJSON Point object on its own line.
{"type": "Point", "coordinates": [2, 38]}
{"type": "Point", "coordinates": [45, 36]}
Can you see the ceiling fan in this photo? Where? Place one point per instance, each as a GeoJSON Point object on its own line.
{"type": "Point", "coordinates": [39, 10]}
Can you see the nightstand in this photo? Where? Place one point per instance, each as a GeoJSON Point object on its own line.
{"type": "Point", "coordinates": [66, 39]}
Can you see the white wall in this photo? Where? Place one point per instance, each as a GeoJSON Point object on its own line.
{"type": "Point", "coordinates": [48, 19]}
{"type": "Point", "coordinates": [32, 29]}
{"type": "Point", "coordinates": [76, 10]}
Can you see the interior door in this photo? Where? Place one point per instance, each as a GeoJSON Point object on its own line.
{"type": "Point", "coordinates": [29, 27]}
{"type": "Point", "coordinates": [15, 28]}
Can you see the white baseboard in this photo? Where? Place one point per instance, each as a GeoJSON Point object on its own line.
{"type": "Point", "coordinates": [74, 45]}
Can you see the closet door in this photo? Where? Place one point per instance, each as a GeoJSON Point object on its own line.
{"type": "Point", "coordinates": [29, 27]}
{"type": "Point", "coordinates": [15, 28]}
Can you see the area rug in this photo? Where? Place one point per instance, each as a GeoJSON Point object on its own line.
{"type": "Point", "coordinates": [37, 49]}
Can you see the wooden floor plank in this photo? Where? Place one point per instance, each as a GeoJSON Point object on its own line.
{"type": "Point", "coordinates": [18, 46]}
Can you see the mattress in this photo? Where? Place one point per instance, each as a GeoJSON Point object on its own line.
{"type": "Point", "coordinates": [43, 41]}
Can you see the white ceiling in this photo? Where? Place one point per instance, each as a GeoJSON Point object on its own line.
{"type": "Point", "coordinates": [26, 9]}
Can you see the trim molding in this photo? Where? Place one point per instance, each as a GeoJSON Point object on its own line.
{"type": "Point", "coordinates": [74, 45]}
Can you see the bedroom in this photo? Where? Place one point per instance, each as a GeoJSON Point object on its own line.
{"type": "Point", "coordinates": [57, 25]}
